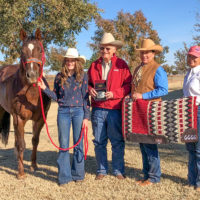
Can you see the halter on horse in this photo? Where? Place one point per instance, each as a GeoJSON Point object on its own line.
{"type": "Point", "coordinates": [20, 98]}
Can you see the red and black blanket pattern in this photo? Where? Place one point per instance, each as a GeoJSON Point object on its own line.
{"type": "Point", "coordinates": [152, 122]}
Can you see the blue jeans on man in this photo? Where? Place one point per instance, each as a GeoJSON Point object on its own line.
{"type": "Point", "coordinates": [151, 162]}
{"type": "Point", "coordinates": [106, 124]}
{"type": "Point", "coordinates": [194, 158]}
{"type": "Point", "coordinates": [66, 116]}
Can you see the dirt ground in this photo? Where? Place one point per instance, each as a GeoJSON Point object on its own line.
{"type": "Point", "coordinates": [42, 184]}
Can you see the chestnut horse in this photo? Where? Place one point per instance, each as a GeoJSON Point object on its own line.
{"type": "Point", "coordinates": [20, 98]}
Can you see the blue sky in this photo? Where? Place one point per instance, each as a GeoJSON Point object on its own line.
{"type": "Point", "coordinates": [173, 19]}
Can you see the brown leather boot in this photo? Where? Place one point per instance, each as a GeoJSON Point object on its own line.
{"type": "Point", "coordinates": [100, 176]}
{"type": "Point", "coordinates": [145, 183]}
{"type": "Point", "coordinates": [120, 176]}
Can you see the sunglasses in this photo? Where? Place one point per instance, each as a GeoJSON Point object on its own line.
{"type": "Point", "coordinates": [107, 48]}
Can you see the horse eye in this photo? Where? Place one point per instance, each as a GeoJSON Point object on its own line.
{"type": "Point", "coordinates": [39, 49]}
{"type": "Point", "coordinates": [23, 51]}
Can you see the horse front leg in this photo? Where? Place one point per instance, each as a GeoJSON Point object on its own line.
{"type": "Point", "coordinates": [19, 144]}
{"type": "Point", "coordinates": [37, 126]}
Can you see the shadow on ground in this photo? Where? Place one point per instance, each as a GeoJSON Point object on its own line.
{"type": "Point", "coordinates": [47, 159]}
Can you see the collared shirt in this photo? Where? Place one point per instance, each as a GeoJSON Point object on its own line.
{"type": "Point", "coordinates": [76, 95]}
{"type": "Point", "coordinates": [118, 82]}
{"type": "Point", "coordinates": [191, 84]}
{"type": "Point", "coordinates": [105, 69]}
{"type": "Point", "coordinates": [161, 85]}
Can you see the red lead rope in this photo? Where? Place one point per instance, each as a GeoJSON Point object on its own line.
{"type": "Point", "coordinates": [84, 130]}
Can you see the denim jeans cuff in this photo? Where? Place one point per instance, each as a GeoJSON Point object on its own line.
{"type": "Point", "coordinates": [64, 182]}
{"type": "Point", "coordinates": [154, 180]}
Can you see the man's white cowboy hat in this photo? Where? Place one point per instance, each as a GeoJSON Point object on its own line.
{"type": "Point", "coordinates": [73, 53]}
{"type": "Point", "coordinates": [149, 45]}
{"type": "Point", "coordinates": [109, 39]}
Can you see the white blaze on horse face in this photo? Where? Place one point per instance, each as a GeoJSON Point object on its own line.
{"type": "Point", "coordinates": [31, 66]}
{"type": "Point", "coordinates": [31, 47]}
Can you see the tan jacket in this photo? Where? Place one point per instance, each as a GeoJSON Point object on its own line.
{"type": "Point", "coordinates": [143, 78]}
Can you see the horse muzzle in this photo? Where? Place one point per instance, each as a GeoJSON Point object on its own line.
{"type": "Point", "coordinates": [32, 66]}
{"type": "Point", "coordinates": [32, 77]}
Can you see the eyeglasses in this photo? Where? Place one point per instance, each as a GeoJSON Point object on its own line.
{"type": "Point", "coordinates": [107, 48]}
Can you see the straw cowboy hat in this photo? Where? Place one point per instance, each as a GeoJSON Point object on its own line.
{"type": "Point", "coordinates": [73, 53]}
{"type": "Point", "coordinates": [149, 45]}
{"type": "Point", "coordinates": [109, 39]}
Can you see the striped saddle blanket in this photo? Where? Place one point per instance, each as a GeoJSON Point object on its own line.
{"type": "Point", "coordinates": [168, 121]}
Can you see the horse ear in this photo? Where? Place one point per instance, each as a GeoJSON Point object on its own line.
{"type": "Point", "coordinates": [38, 34]}
{"type": "Point", "coordinates": [23, 35]}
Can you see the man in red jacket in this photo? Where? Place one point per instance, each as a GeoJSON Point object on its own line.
{"type": "Point", "coordinates": [109, 81]}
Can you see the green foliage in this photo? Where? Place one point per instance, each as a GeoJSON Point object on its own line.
{"type": "Point", "coordinates": [181, 60]}
{"type": "Point", "coordinates": [131, 29]}
{"type": "Point", "coordinates": [55, 58]}
{"type": "Point", "coordinates": [196, 38]}
{"type": "Point", "coordinates": [92, 59]}
{"type": "Point", "coordinates": [181, 54]}
{"type": "Point", "coordinates": [59, 21]}
{"type": "Point", "coordinates": [171, 70]}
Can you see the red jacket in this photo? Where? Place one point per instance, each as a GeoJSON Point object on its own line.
{"type": "Point", "coordinates": [118, 82]}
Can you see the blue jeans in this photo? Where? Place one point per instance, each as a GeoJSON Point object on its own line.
{"type": "Point", "coordinates": [106, 125]}
{"type": "Point", "coordinates": [194, 157]}
{"type": "Point", "coordinates": [66, 173]}
{"type": "Point", "coordinates": [151, 162]}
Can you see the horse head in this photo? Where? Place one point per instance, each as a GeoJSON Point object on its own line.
{"type": "Point", "coordinates": [32, 56]}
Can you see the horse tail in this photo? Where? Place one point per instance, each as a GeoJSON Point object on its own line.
{"type": "Point", "coordinates": [4, 125]}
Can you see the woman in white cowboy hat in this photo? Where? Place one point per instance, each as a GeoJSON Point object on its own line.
{"type": "Point", "coordinates": [149, 82]}
{"type": "Point", "coordinates": [71, 93]}
{"type": "Point", "coordinates": [113, 74]}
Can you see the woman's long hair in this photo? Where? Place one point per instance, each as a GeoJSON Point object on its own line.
{"type": "Point", "coordinates": [78, 70]}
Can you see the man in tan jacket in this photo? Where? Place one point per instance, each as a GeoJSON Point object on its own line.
{"type": "Point", "coordinates": [149, 82]}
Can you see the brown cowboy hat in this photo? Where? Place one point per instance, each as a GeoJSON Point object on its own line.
{"type": "Point", "coordinates": [109, 39]}
{"type": "Point", "coordinates": [149, 45]}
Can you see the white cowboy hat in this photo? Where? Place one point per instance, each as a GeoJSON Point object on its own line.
{"type": "Point", "coordinates": [83, 58]}
{"type": "Point", "coordinates": [73, 53]}
{"type": "Point", "coordinates": [149, 45]}
{"type": "Point", "coordinates": [109, 39]}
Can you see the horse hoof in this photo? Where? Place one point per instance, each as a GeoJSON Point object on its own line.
{"type": "Point", "coordinates": [21, 176]}
{"type": "Point", "coordinates": [33, 168]}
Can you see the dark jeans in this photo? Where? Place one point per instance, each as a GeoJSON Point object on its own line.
{"type": "Point", "coordinates": [66, 116]}
{"type": "Point", "coordinates": [194, 157]}
{"type": "Point", "coordinates": [151, 162]}
{"type": "Point", "coordinates": [106, 125]}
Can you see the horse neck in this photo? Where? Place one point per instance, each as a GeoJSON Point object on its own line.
{"type": "Point", "coordinates": [22, 75]}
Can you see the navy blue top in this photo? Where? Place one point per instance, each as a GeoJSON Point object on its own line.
{"type": "Point", "coordinates": [76, 94]}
